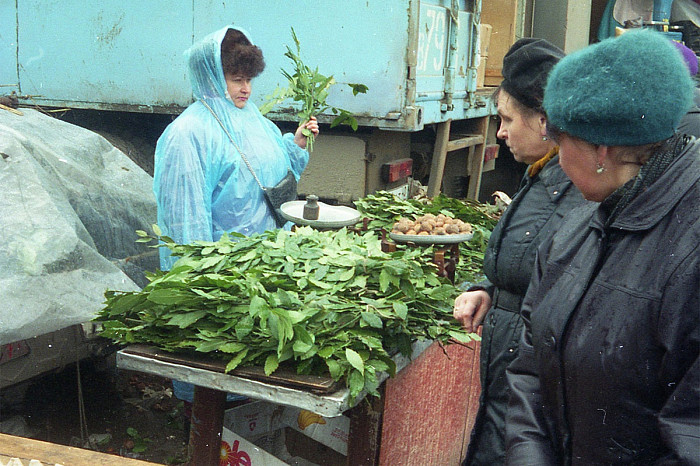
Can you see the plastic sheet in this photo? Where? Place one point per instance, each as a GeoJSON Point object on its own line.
{"type": "Point", "coordinates": [70, 206]}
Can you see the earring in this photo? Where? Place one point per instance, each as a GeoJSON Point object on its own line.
{"type": "Point", "coordinates": [545, 138]}
{"type": "Point", "coordinates": [599, 168]}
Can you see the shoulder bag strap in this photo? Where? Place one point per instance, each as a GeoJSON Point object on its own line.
{"type": "Point", "coordinates": [245, 159]}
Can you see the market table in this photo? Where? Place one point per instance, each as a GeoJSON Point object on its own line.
{"type": "Point", "coordinates": [424, 415]}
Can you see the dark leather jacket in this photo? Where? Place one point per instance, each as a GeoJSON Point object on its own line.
{"type": "Point", "coordinates": [608, 369]}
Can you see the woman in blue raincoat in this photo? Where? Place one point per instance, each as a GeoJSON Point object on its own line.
{"type": "Point", "coordinates": [202, 185]}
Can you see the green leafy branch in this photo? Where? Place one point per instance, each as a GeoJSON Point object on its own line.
{"type": "Point", "coordinates": [310, 88]}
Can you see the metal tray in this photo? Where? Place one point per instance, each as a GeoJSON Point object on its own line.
{"type": "Point", "coordinates": [431, 239]}
{"type": "Point", "coordinates": [329, 216]}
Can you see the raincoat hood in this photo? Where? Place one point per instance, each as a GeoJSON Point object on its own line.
{"type": "Point", "coordinates": [204, 65]}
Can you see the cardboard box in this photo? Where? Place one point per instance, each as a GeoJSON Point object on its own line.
{"type": "Point", "coordinates": [332, 432]}
{"type": "Point", "coordinates": [484, 42]}
{"type": "Point", "coordinates": [503, 16]}
{"type": "Point", "coordinates": [237, 451]}
{"type": "Point", "coordinates": [254, 419]}
{"type": "Point", "coordinates": [254, 432]}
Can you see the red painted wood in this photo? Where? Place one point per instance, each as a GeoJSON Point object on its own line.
{"type": "Point", "coordinates": [429, 408]}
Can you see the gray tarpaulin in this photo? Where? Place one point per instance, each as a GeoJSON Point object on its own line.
{"type": "Point", "coordinates": [70, 203]}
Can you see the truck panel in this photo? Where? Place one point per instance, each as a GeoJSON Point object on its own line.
{"type": "Point", "coordinates": [418, 58]}
{"type": "Point", "coordinates": [8, 47]}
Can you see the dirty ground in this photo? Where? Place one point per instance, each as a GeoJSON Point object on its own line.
{"type": "Point", "coordinates": [124, 413]}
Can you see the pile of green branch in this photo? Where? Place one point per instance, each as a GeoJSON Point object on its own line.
{"type": "Point", "coordinates": [321, 302]}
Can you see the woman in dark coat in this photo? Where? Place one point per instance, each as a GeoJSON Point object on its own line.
{"type": "Point", "coordinates": [545, 195]}
{"type": "Point", "coordinates": [608, 369]}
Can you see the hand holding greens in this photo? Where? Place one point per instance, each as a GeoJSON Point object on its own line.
{"type": "Point", "coordinates": [310, 88]}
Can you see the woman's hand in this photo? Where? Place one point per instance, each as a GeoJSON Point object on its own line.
{"type": "Point", "coordinates": [471, 308]}
{"type": "Point", "coordinates": [311, 125]}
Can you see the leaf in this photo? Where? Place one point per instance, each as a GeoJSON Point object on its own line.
{"type": "Point", "coordinates": [257, 304]}
{"type": "Point", "coordinates": [462, 337]}
{"type": "Point", "coordinates": [187, 319]}
{"type": "Point", "coordinates": [207, 346]}
{"type": "Point", "coordinates": [233, 347]}
{"type": "Point", "coordinates": [271, 364]}
{"type": "Point", "coordinates": [442, 293]}
{"type": "Point", "coordinates": [334, 368]}
{"type": "Point", "coordinates": [169, 296]}
{"type": "Point", "coordinates": [235, 361]}
{"type": "Point", "coordinates": [384, 280]}
{"type": "Point", "coordinates": [378, 365]}
{"type": "Point", "coordinates": [156, 229]}
{"type": "Point", "coordinates": [124, 303]}
{"type": "Point", "coordinates": [358, 88]}
{"type": "Point", "coordinates": [243, 327]}
{"type": "Point", "coordinates": [355, 360]}
{"type": "Point", "coordinates": [356, 383]}
{"type": "Point", "coordinates": [372, 319]}
{"type": "Point", "coordinates": [400, 309]}
{"type": "Point", "coordinates": [303, 340]}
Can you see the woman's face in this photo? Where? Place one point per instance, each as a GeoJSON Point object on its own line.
{"type": "Point", "coordinates": [239, 88]}
{"type": "Point", "coordinates": [522, 131]}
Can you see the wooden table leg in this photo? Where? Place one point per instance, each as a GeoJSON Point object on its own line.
{"type": "Point", "coordinates": [206, 425]}
{"type": "Point", "coordinates": [437, 167]}
{"type": "Point", "coordinates": [364, 441]}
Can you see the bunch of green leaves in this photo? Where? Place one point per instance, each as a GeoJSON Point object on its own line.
{"type": "Point", "coordinates": [320, 302]}
{"type": "Point", "coordinates": [383, 209]}
{"type": "Point", "coordinates": [310, 88]}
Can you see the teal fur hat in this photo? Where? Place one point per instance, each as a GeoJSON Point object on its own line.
{"type": "Point", "coordinates": [623, 91]}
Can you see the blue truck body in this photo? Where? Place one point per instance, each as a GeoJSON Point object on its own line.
{"type": "Point", "coordinates": [417, 57]}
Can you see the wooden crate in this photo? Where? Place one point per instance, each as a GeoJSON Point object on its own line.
{"type": "Point", "coordinates": [502, 15]}
{"type": "Point", "coordinates": [484, 42]}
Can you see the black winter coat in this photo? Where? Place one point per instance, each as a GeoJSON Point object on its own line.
{"type": "Point", "coordinates": [534, 214]}
{"type": "Point", "coordinates": [608, 370]}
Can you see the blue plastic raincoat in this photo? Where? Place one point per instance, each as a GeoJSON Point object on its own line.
{"type": "Point", "coordinates": [201, 184]}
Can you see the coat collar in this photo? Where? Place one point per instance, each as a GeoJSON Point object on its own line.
{"type": "Point", "coordinates": [655, 203]}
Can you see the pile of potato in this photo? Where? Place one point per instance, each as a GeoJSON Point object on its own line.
{"type": "Point", "coordinates": [430, 224]}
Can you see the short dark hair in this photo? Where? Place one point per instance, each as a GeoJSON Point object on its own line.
{"type": "Point", "coordinates": [239, 57]}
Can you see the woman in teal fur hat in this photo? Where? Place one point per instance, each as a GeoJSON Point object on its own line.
{"type": "Point", "coordinates": [544, 197]}
{"type": "Point", "coordinates": [608, 369]}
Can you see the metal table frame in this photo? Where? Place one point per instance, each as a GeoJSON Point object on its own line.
{"type": "Point", "coordinates": [211, 388]}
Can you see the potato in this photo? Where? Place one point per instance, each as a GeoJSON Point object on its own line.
{"type": "Point", "coordinates": [403, 227]}
{"type": "Point", "coordinates": [451, 229]}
